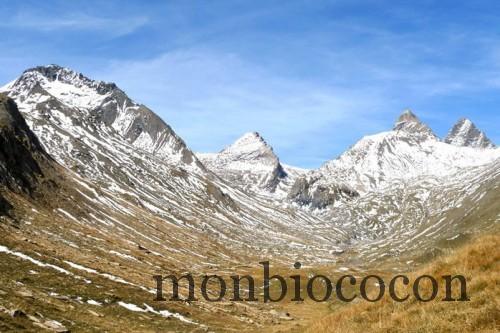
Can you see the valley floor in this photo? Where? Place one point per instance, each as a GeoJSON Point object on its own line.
{"type": "Point", "coordinates": [35, 298]}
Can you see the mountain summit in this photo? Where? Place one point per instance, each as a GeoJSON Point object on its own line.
{"type": "Point", "coordinates": [128, 200]}
{"type": "Point", "coordinates": [409, 122]}
{"type": "Point", "coordinates": [55, 93]}
{"type": "Point", "coordinates": [465, 133]}
{"type": "Point", "coordinates": [410, 150]}
{"type": "Point", "coordinates": [251, 160]}
{"type": "Point", "coordinates": [253, 149]}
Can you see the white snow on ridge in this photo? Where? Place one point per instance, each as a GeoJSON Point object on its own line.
{"type": "Point", "coordinates": [378, 159]}
{"type": "Point", "coordinates": [251, 163]}
{"type": "Point", "coordinates": [80, 97]}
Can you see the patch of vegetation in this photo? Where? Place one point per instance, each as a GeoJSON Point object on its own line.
{"type": "Point", "coordinates": [479, 261]}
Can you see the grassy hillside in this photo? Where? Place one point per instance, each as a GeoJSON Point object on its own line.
{"type": "Point", "coordinates": [479, 261]}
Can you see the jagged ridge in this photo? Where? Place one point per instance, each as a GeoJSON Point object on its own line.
{"type": "Point", "coordinates": [409, 151]}
{"type": "Point", "coordinates": [103, 104]}
{"type": "Point", "coordinates": [409, 122]}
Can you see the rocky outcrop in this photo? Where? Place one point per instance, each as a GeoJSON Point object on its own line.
{"type": "Point", "coordinates": [21, 154]}
{"type": "Point", "coordinates": [408, 122]}
{"type": "Point", "coordinates": [308, 192]}
{"type": "Point", "coordinates": [410, 150]}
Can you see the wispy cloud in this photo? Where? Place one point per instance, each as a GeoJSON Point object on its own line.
{"type": "Point", "coordinates": [116, 26]}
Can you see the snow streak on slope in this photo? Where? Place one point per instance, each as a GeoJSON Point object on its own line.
{"type": "Point", "coordinates": [91, 127]}
{"type": "Point", "coordinates": [132, 200]}
{"type": "Point", "coordinates": [134, 165]}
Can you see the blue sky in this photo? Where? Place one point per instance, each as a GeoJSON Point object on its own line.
{"type": "Point", "coordinates": [311, 76]}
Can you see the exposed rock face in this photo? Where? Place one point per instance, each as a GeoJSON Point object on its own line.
{"type": "Point", "coordinates": [21, 154]}
{"type": "Point", "coordinates": [409, 122]}
{"type": "Point", "coordinates": [5, 206]}
{"type": "Point", "coordinates": [118, 179]}
{"type": "Point", "coordinates": [309, 192]}
{"type": "Point", "coordinates": [464, 133]}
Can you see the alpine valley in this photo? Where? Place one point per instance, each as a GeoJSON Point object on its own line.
{"type": "Point", "coordinates": [98, 194]}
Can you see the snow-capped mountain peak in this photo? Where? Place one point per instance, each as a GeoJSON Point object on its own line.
{"type": "Point", "coordinates": [66, 75]}
{"type": "Point", "coordinates": [465, 133]}
{"type": "Point", "coordinates": [408, 122]}
{"type": "Point", "coordinates": [70, 87]}
{"type": "Point", "coordinates": [251, 148]}
{"type": "Point", "coordinates": [249, 161]}
{"type": "Point", "coordinates": [410, 150]}
{"type": "Point", "coordinates": [57, 94]}
{"type": "Point", "coordinates": [249, 137]}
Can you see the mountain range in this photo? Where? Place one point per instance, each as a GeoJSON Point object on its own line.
{"type": "Point", "coordinates": [100, 191]}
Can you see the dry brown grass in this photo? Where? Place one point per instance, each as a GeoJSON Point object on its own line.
{"type": "Point", "coordinates": [479, 262]}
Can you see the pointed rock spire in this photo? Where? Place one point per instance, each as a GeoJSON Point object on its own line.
{"type": "Point", "coordinates": [407, 116]}
{"type": "Point", "coordinates": [251, 149]}
{"type": "Point", "coordinates": [409, 122]}
{"type": "Point", "coordinates": [465, 133]}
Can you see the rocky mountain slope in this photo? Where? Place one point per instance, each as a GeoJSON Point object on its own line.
{"type": "Point", "coordinates": [25, 167]}
{"type": "Point", "coordinates": [21, 155]}
{"type": "Point", "coordinates": [123, 198]}
{"type": "Point", "coordinates": [81, 123]}
{"type": "Point", "coordinates": [122, 212]}
{"type": "Point", "coordinates": [410, 150]}
{"type": "Point", "coordinates": [99, 108]}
